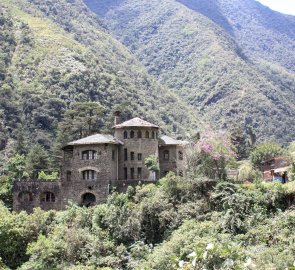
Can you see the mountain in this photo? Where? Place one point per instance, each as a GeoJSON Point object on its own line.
{"type": "Point", "coordinates": [55, 53]}
{"type": "Point", "coordinates": [261, 32]}
{"type": "Point", "coordinates": [230, 68]}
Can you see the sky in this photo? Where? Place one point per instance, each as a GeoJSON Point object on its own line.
{"type": "Point", "coordinates": [283, 6]}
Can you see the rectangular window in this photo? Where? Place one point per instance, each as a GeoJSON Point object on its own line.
{"type": "Point", "coordinates": [139, 173]}
{"type": "Point", "coordinates": [69, 175]}
{"type": "Point", "coordinates": [125, 154]}
{"type": "Point", "coordinates": [166, 155]}
{"type": "Point", "coordinates": [125, 174]}
{"type": "Point", "coordinates": [131, 155]}
{"type": "Point", "coordinates": [139, 156]}
{"type": "Point", "coordinates": [132, 173]}
{"type": "Point", "coordinates": [113, 155]}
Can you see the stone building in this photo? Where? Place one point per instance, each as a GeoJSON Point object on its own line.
{"type": "Point", "coordinates": [93, 166]}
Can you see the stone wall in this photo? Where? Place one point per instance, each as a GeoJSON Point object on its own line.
{"type": "Point", "coordinates": [174, 163]}
{"type": "Point", "coordinates": [30, 194]}
{"type": "Point", "coordinates": [74, 187]}
{"type": "Point", "coordinates": [138, 146]}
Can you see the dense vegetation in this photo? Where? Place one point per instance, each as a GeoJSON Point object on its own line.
{"type": "Point", "coordinates": [55, 55]}
{"type": "Point", "coordinates": [270, 36]}
{"type": "Point", "coordinates": [201, 220]}
{"type": "Point", "coordinates": [176, 224]}
{"type": "Point", "coordinates": [212, 67]}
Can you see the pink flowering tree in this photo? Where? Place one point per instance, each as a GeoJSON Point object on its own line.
{"type": "Point", "coordinates": [211, 155]}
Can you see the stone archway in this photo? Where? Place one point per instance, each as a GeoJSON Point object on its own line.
{"type": "Point", "coordinates": [88, 199]}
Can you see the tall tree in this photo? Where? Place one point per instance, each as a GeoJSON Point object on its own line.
{"type": "Point", "coordinates": [37, 160]}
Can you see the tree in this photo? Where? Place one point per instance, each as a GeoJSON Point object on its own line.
{"type": "Point", "coordinates": [265, 151]}
{"type": "Point", "coordinates": [83, 119]}
{"type": "Point", "coordinates": [211, 155]}
{"type": "Point", "coordinates": [37, 160]}
{"type": "Point", "coordinates": [239, 141]}
{"type": "Point", "coordinates": [151, 162]}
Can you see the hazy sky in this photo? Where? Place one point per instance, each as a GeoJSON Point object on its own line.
{"type": "Point", "coordinates": [284, 6]}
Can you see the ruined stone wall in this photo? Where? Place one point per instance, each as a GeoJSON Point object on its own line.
{"type": "Point", "coordinates": [144, 146]}
{"type": "Point", "coordinates": [30, 194]}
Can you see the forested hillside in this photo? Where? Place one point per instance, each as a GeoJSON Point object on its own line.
{"type": "Point", "coordinates": [261, 33]}
{"type": "Point", "coordinates": [209, 62]}
{"type": "Point", "coordinates": [56, 53]}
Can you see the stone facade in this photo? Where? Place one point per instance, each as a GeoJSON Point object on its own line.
{"type": "Point", "coordinates": [93, 166]}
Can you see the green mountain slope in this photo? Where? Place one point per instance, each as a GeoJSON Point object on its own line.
{"type": "Point", "coordinates": [205, 65]}
{"type": "Point", "coordinates": [260, 31]}
{"type": "Point", "coordinates": [57, 53]}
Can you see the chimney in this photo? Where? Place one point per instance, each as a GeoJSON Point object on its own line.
{"type": "Point", "coordinates": [117, 115]}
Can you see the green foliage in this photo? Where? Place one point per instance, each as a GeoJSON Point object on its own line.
{"type": "Point", "coordinates": [36, 160]}
{"type": "Point", "coordinates": [247, 171]}
{"type": "Point", "coordinates": [264, 152]}
{"type": "Point", "coordinates": [68, 76]}
{"type": "Point", "coordinates": [211, 155]}
{"type": "Point", "coordinates": [180, 223]}
{"type": "Point", "coordinates": [215, 68]}
{"type": "Point", "coordinates": [152, 163]}
{"type": "Point", "coordinates": [43, 176]}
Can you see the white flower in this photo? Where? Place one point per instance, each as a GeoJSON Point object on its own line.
{"type": "Point", "coordinates": [229, 262]}
{"type": "Point", "coordinates": [248, 262]}
{"type": "Point", "coordinates": [205, 255]}
{"type": "Point", "coordinates": [210, 246]}
{"type": "Point", "coordinates": [294, 263]}
{"type": "Point", "coordinates": [181, 264]}
{"type": "Point", "coordinates": [193, 254]}
{"type": "Point", "coordinates": [194, 262]}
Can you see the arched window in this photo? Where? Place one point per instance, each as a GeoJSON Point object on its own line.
{"type": "Point", "coordinates": [125, 134]}
{"type": "Point", "coordinates": [25, 196]}
{"type": "Point", "coordinates": [139, 134]}
{"type": "Point", "coordinates": [131, 134]}
{"type": "Point", "coordinates": [89, 154]}
{"type": "Point", "coordinates": [180, 155]}
{"type": "Point", "coordinates": [88, 199]}
{"type": "Point", "coordinates": [153, 135]}
{"type": "Point", "coordinates": [89, 175]}
{"type": "Point", "coordinates": [147, 135]}
{"type": "Point", "coordinates": [166, 154]}
{"type": "Point", "coordinates": [47, 197]}
{"type": "Point", "coordinates": [180, 173]}
{"type": "Point", "coordinates": [157, 135]}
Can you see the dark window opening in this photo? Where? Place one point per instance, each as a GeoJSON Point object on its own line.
{"type": "Point", "coordinates": [139, 173]}
{"type": "Point", "coordinates": [166, 155]}
{"type": "Point", "coordinates": [113, 154]}
{"type": "Point", "coordinates": [147, 135]}
{"type": "Point", "coordinates": [139, 156]}
{"type": "Point", "coordinates": [180, 155]}
{"type": "Point", "coordinates": [153, 135]}
{"type": "Point", "coordinates": [125, 135]}
{"type": "Point", "coordinates": [180, 173]}
{"type": "Point", "coordinates": [131, 134]}
{"type": "Point", "coordinates": [125, 154]}
{"type": "Point", "coordinates": [88, 199]}
{"type": "Point", "coordinates": [25, 196]}
{"type": "Point", "coordinates": [89, 175]}
{"type": "Point", "coordinates": [89, 154]}
{"type": "Point", "coordinates": [125, 174]}
{"type": "Point", "coordinates": [139, 134]}
{"type": "Point", "coordinates": [69, 175]}
{"type": "Point", "coordinates": [131, 155]}
{"type": "Point", "coordinates": [47, 197]}
{"type": "Point", "coordinates": [132, 173]}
